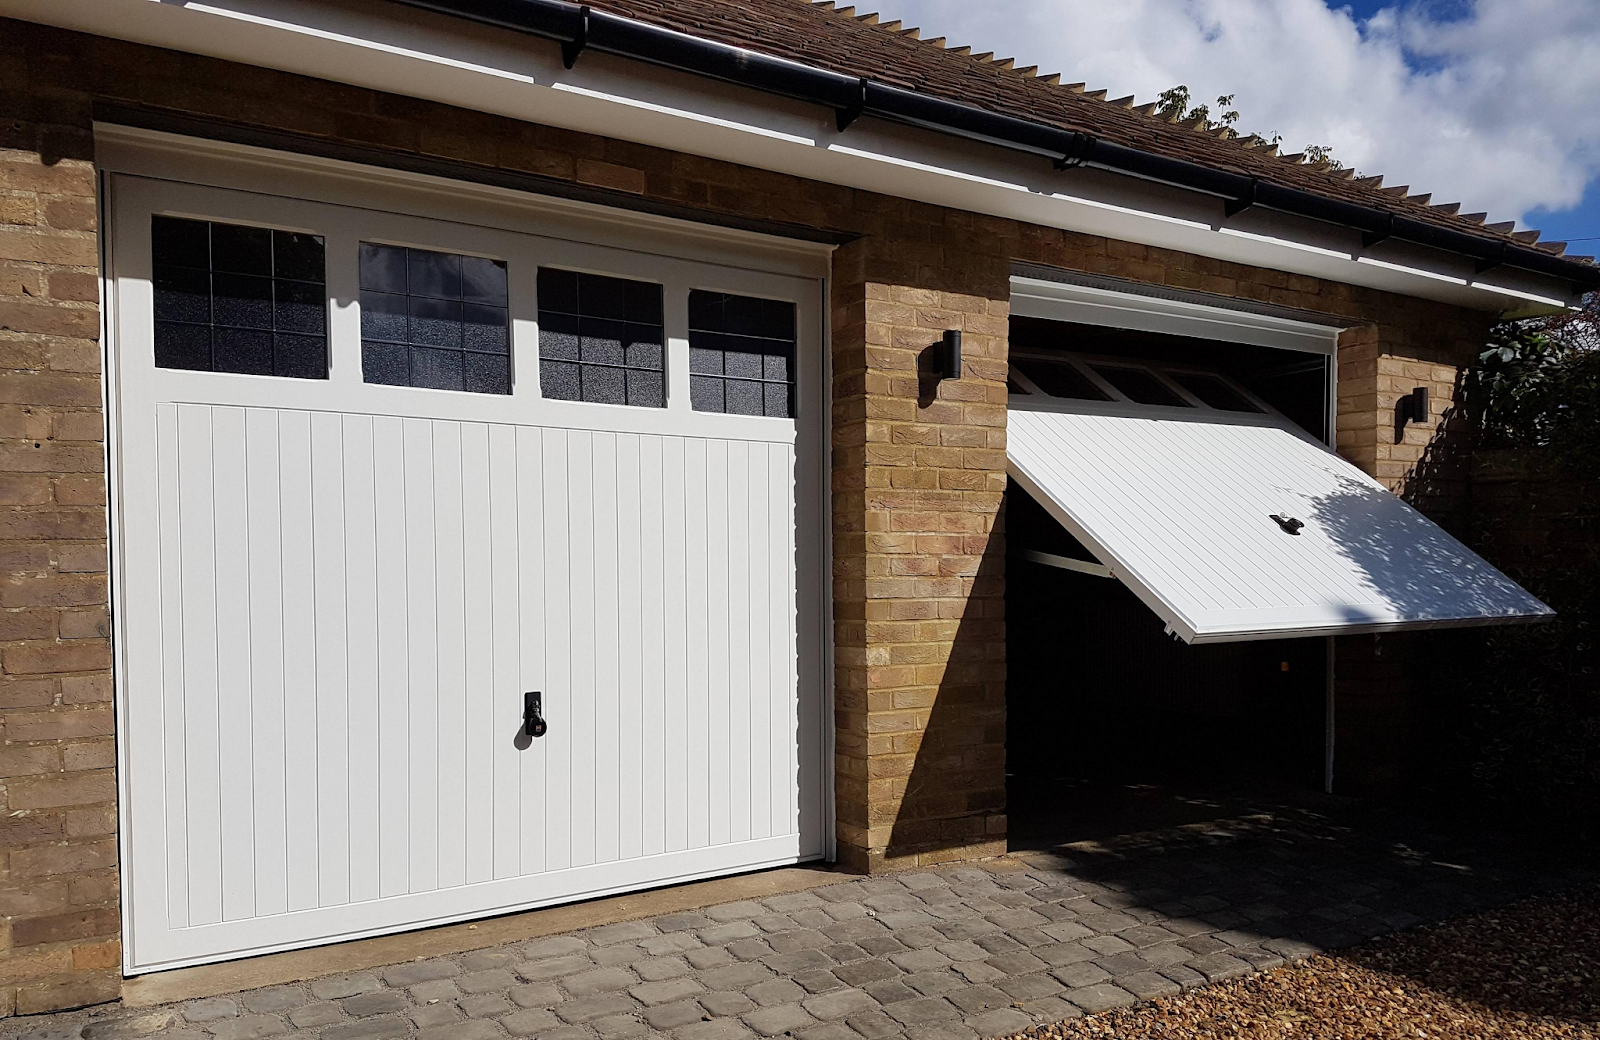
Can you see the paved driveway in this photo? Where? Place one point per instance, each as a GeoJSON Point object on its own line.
{"type": "Point", "coordinates": [945, 954]}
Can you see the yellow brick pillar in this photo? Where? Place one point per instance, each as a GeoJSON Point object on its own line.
{"type": "Point", "coordinates": [918, 479]}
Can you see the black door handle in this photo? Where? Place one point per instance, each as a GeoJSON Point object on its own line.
{"type": "Point", "coordinates": [533, 723]}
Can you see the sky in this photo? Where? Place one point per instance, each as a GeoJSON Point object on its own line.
{"type": "Point", "coordinates": [1490, 103]}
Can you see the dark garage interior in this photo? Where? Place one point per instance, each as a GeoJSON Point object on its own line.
{"type": "Point", "coordinates": [1113, 725]}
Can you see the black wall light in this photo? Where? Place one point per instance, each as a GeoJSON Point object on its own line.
{"type": "Point", "coordinates": [948, 355]}
{"type": "Point", "coordinates": [1413, 407]}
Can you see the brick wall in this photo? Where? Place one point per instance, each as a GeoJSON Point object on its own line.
{"type": "Point", "coordinates": [59, 918]}
{"type": "Point", "coordinates": [918, 467]}
{"type": "Point", "coordinates": [919, 597]}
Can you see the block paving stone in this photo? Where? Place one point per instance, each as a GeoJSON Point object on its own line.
{"type": "Point", "coordinates": [951, 953]}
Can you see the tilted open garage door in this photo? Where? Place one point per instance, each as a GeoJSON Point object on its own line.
{"type": "Point", "coordinates": [390, 457]}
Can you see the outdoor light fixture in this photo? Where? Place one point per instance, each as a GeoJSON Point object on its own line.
{"type": "Point", "coordinates": [1413, 407]}
{"type": "Point", "coordinates": [949, 355]}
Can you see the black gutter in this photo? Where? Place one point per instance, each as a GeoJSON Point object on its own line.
{"type": "Point", "coordinates": [578, 28]}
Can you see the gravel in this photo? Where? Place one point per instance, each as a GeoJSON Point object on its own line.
{"type": "Point", "coordinates": [1528, 970]}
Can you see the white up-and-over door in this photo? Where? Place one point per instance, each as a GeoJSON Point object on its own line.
{"type": "Point", "coordinates": [385, 463]}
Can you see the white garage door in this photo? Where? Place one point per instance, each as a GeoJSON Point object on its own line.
{"type": "Point", "coordinates": [379, 476]}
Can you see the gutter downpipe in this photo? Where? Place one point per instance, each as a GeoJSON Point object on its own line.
{"type": "Point", "coordinates": [578, 27]}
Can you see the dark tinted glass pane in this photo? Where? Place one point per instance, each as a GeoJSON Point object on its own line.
{"type": "Point", "coordinates": [246, 351]}
{"type": "Point", "coordinates": [705, 310]}
{"type": "Point", "coordinates": [485, 329]}
{"type": "Point", "coordinates": [644, 355]}
{"type": "Point", "coordinates": [383, 267]}
{"type": "Point", "coordinates": [241, 301]}
{"type": "Point", "coordinates": [647, 389]}
{"type": "Point", "coordinates": [183, 346]}
{"type": "Point", "coordinates": [558, 290]}
{"type": "Point", "coordinates": [1214, 392]}
{"type": "Point", "coordinates": [643, 302]}
{"type": "Point", "coordinates": [435, 323]}
{"type": "Point", "coordinates": [558, 336]}
{"type": "Point", "coordinates": [1141, 386]}
{"type": "Point", "coordinates": [742, 398]}
{"type": "Point", "coordinates": [296, 255]}
{"type": "Point", "coordinates": [175, 241]}
{"type": "Point", "coordinates": [483, 281]}
{"type": "Point", "coordinates": [601, 342]}
{"type": "Point", "coordinates": [386, 363]}
{"type": "Point", "coordinates": [383, 316]}
{"type": "Point", "coordinates": [241, 250]}
{"type": "Point", "coordinates": [600, 297]}
{"type": "Point", "coordinates": [302, 357]}
{"type": "Point", "coordinates": [604, 385]}
{"type": "Point", "coordinates": [705, 393]}
{"type": "Point", "coordinates": [739, 363]}
{"type": "Point", "coordinates": [777, 401]}
{"type": "Point", "coordinates": [486, 373]}
{"type": "Point", "coordinates": [775, 366]}
{"type": "Point", "coordinates": [300, 307]}
{"type": "Point", "coordinates": [741, 315]}
{"type": "Point", "coordinates": [226, 288]}
{"type": "Point", "coordinates": [559, 381]}
{"type": "Point", "coordinates": [182, 294]}
{"type": "Point", "coordinates": [706, 361]}
{"type": "Point", "coordinates": [433, 274]}
{"type": "Point", "coordinates": [436, 369]}
{"type": "Point", "coordinates": [616, 339]}
{"type": "Point", "coordinates": [777, 319]}
{"type": "Point", "coordinates": [1059, 379]}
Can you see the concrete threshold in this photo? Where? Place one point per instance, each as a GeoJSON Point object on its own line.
{"type": "Point", "coordinates": [274, 969]}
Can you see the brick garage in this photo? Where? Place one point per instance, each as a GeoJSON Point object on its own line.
{"type": "Point", "coordinates": [918, 465]}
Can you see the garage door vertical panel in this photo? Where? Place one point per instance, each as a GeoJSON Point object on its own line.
{"type": "Point", "coordinates": [653, 679]}
{"type": "Point", "coordinates": [477, 553]}
{"type": "Point", "coordinates": [530, 566]}
{"type": "Point", "coordinates": [421, 640]}
{"type": "Point", "coordinates": [357, 468]}
{"type": "Point", "coordinates": [756, 622]}
{"type": "Point", "coordinates": [605, 693]}
{"type": "Point", "coordinates": [264, 545]}
{"type": "Point", "coordinates": [198, 606]}
{"type": "Point", "coordinates": [630, 678]}
{"type": "Point", "coordinates": [299, 659]}
{"type": "Point", "coordinates": [676, 573]}
{"type": "Point", "coordinates": [697, 649]}
{"type": "Point", "coordinates": [173, 757]}
{"type": "Point", "coordinates": [506, 611]}
{"type": "Point", "coordinates": [393, 713]}
{"type": "Point", "coordinates": [782, 615]}
{"type": "Point", "coordinates": [236, 781]}
{"type": "Point", "coordinates": [551, 555]}
{"type": "Point", "coordinates": [330, 638]}
{"type": "Point", "coordinates": [741, 691]}
{"type": "Point", "coordinates": [451, 593]}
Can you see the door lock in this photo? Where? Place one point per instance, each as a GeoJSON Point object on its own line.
{"type": "Point", "coordinates": [533, 723]}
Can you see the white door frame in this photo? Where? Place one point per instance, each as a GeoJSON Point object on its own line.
{"type": "Point", "coordinates": [150, 172]}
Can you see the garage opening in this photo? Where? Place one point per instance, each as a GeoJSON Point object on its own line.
{"type": "Point", "coordinates": [1181, 544]}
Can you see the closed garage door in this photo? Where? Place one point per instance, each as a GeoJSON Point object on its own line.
{"type": "Point", "coordinates": [389, 463]}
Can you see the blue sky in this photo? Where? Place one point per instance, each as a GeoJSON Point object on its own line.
{"type": "Point", "coordinates": [1489, 103]}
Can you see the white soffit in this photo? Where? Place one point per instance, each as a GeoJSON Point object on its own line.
{"type": "Point", "coordinates": [1181, 511]}
{"type": "Point", "coordinates": [382, 46]}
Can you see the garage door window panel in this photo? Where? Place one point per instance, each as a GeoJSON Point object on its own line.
{"type": "Point", "coordinates": [601, 339]}
{"type": "Point", "coordinates": [236, 299]}
{"type": "Point", "coordinates": [741, 354]}
{"type": "Point", "coordinates": [435, 320]}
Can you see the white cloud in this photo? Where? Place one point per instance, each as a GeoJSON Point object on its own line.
{"type": "Point", "coordinates": [1493, 108]}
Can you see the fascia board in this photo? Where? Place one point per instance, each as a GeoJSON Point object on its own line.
{"type": "Point", "coordinates": [382, 47]}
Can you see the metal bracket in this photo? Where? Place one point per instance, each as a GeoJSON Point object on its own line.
{"type": "Point", "coordinates": [1233, 207]}
{"type": "Point", "coordinates": [845, 116]}
{"type": "Point", "coordinates": [1067, 563]}
{"type": "Point", "coordinates": [1372, 238]}
{"type": "Point", "coordinates": [1491, 263]}
{"type": "Point", "coordinates": [570, 49]}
